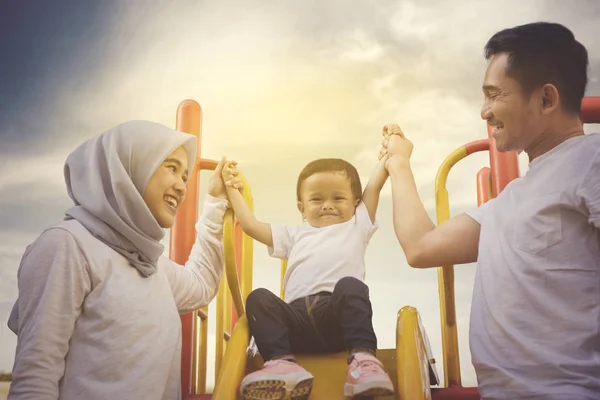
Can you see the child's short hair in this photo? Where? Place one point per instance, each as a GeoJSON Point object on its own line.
{"type": "Point", "coordinates": [331, 165]}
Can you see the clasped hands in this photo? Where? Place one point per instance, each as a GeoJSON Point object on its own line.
{"type": "Point", "coordinates": [395, 148]}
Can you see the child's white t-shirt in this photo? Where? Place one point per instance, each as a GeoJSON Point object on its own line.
{"type": "Point", "coordinates": [319, 257]}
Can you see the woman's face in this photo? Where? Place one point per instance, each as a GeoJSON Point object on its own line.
{"type": "Point", "coordinates": [166, 189]}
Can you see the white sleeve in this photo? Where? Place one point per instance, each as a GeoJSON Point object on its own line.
{"type": "Point", "coordinates": [53, 283]}
{"type": "Point", "coordinates": [589, 191]}
{"type": "Point", "coordinates": [363, 221]}
{"type": "Point", "coordinates": [196, 284]}
{"type": "Point", "coordinates": [477, 213]}
{"type": "Point", "coordinates": [283, 241]}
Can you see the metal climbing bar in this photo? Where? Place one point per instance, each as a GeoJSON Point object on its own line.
{"type": "Point", "coordinates": [236, 283]}
{"type": "Point", "coordinates": [590, 110]}
{"type": "Point", "coordinates": [451, 360]}
{"type": "Point", "coordinates": [183, 235]}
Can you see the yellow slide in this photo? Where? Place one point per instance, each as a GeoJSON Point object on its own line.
{"type": "Point", "coordinates": [410, 364]}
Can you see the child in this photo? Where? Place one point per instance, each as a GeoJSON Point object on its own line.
{"type": "Point", "coordinates": [327, 306]}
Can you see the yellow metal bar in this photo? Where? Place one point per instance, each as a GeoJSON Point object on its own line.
{"type": "Point", "coordinates": [195, 349]}
{"type": "Point", "coordinates": [199, 322]}
{"type": "Point", "coordinates": [247, 248]}
{"type": "Point", "coordinates": [234, 363]}
{"type": "Point", "coordinates": [199, 373]}
{"type": "Point", "coordinates": [451, 359]}
{"type": "Point", "coordinates": [202, 355]}
{"type": "Point", "coordinates": [283, 270]}
{"type": "Point", "coordinates": [229, 289]}
{"type": "Point", "coordinates": [224, 296]}
{"type": "Point", "coordinates": [412, 363]}
{"type": "Point", "coordinates": [220, 329]}
{"type": "Point", "coordinates": [227, 317]}
{"type": "Point", "coordinates": [230, 264]}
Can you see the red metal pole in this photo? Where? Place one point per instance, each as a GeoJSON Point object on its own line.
{"type": "Point", "coordinates": [483, 185]}
{"type": "Point", "coordinates": [183, 235]}
{"type": "Point", "coordinates": [505, 166]}
{"type": "Point", "coordinates": [477, 145]}
{"type": "Point", "coordinates": [590, 110]}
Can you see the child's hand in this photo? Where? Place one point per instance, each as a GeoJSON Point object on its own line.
{"type": "Point", "coordinates": [230, 176]}
{"type": "Point", "coordinates": [380, 173]}
{"type": "Point", "coordinates": [216, 187]}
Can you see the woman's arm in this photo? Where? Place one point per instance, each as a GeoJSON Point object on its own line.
{"type": "Point", "coordinates": [196, 284]}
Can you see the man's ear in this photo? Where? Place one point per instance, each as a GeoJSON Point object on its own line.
{"type": "Point", "coordinates": [550, 98]}
{"type": "Point", "coordinates": [301, 207]}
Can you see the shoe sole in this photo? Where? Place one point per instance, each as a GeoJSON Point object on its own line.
{"type": "Point", "coordinates": [350, 391]}
{"type": "Point", "coordinates": [276, 390]}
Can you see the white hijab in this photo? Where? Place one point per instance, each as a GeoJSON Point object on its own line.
{"type": "Point", "coordinates": [106, 177]}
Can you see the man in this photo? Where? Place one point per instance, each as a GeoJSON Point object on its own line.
{"type": "Point", "coordinates": [535, 318]}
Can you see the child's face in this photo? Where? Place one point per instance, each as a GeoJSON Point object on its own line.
{"type": "Point", "coordinates": [327, 199]}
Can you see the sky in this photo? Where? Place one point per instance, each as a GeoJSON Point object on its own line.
{"type": "Point", "coordinates": [280, 84]}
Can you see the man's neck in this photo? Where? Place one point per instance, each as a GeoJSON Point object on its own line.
{"type": "Point", "coordinates": [560, 132]}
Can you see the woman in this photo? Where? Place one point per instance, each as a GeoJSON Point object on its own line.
{"type": "Point", "coordinates": [98, 310]}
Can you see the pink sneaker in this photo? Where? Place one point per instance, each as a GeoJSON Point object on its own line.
{"type": "Point", "coordinates": [366, 377]}
{"type": "Point", "coordinates": [277, 380]}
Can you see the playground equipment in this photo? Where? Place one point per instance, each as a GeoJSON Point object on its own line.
{"type": "Point", "coordinates": [410, 364]}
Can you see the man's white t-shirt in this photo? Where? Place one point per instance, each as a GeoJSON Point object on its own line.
{"type": "Point", "coordinates": [319, 257]}
{"type": "Point", "coordinates": [535, 317]}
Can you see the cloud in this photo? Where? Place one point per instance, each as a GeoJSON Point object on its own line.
{"type": "Point", "coordinates": [280, 84]}
{"type": "Point", "coordinates": [49, 48]}
{"type": "Point", "coordinates": [44, 204]}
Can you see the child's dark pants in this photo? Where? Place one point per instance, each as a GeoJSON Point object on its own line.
{"type": "Point", "coordinates": [320, 323]}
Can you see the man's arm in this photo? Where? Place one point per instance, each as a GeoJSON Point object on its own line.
{"type": "Point", "coordinates": [425, 245]}
{"type": "Point", "coordinates": [373, 188]}
{"type": "Point", "coordinates": [257, 230]}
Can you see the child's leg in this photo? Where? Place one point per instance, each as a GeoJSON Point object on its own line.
{"type": "Point", "coordinates": [273, 323]}
{"type": "Point", "coordinates": [349, 314]}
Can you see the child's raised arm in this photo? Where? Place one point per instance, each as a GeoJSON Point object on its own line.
{"type": "Point", "coordinates": [374, 186]}
{"type": "Point", "coordinates": [257, 230]}
{"type": "Point", "coordinates": [378, 177]}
